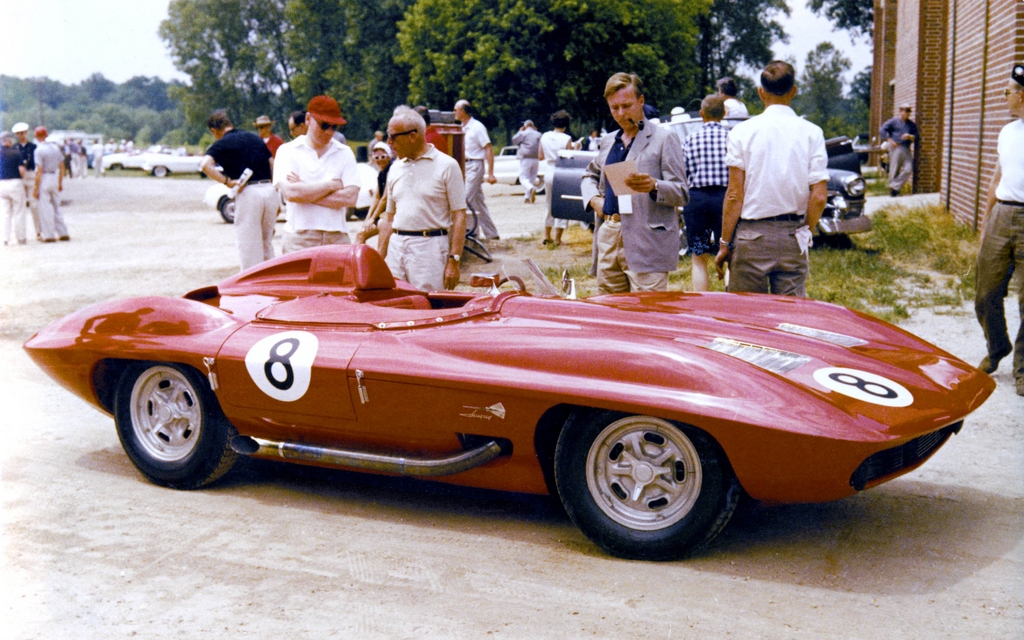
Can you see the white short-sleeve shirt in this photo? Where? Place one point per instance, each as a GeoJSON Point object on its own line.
{"type": "Point", "coordinates": [476, 139]}
{"type": "Point", "coordinates": [423, 193]}
{"type": "Point", "coordinates": [1011, 162]}
{"type": "Point", "coordinates": [552, 142]}
{"type": "Point", "coordinates": [782, 155]}
{"type": "Point", "coordinates": [300, 158]}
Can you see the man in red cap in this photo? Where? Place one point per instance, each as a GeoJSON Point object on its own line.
{"type": "Point", "coordinates": [49, 183]}
{"type": "Point", "coordinates": [318, 179]}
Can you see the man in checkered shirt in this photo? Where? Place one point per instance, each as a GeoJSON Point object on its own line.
{"type": "Point", "coordinates": [704, 153]}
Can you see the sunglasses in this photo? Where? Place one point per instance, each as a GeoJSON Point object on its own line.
{"type": "Point", "coordinates": [392, 136]}
{"type": "Point", "coordinates": [328, 126]}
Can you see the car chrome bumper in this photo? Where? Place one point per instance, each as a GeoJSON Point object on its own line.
{"type": "Point", "coordinates": [833, 226]}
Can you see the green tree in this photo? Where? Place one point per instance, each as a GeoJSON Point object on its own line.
{"type": "Point", "coordinates": [857, 16]}
{"type": "Point", "coordinates": [737, 33]}
{"type": "Point", "coordinates": [235, 55]}
{"type": "Point", "coordinates": [526, 58]}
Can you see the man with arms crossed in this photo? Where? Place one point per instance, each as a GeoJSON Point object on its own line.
{"type": "Point", "coordinates": [1002, 240]}
{"type": "Point", "coordinates": [636, 240]}
{"type": "Point", "coordinates": [257, 203]}
{"type": "Point", "coordinates": [424, 226]}
{"type": "Point", "coordinates": [777, 191]}
{"type": "Point", "coordinates": [318, 178]}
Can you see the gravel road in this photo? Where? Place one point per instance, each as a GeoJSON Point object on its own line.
{"type": "Point", "coordinates": [89, 549]}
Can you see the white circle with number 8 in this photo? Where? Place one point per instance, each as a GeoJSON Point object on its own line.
{"type": "Point", "coordinates": [281, 365]}
{"type": "Point", "coordinates": [864, 386]}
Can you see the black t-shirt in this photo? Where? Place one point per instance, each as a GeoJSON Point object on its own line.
{"type": "Point", "coordinates": [28, 154]}
{"type": "Point", "coordinates": [241, 150]}
{"type": "Point", "coordinates": [10, 160]}
{"type": "Point", "coordinates": [382, 179]}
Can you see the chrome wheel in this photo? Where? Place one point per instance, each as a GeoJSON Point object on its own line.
{"type": "Point", "coordinates": [160, 172]}
{"type": "Point", "coordinates": [643, 473]}
{"type": "Point", "coordinates": [166, 416]}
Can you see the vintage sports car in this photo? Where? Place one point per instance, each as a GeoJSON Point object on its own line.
{"type": "Point", "coordinates": [844, 210]}
{"type": "Point", "coordinates": [647, 415]}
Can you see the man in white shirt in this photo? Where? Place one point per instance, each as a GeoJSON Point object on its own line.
{"type": "Point", "coordinates": [778, 180]}
{"type": "Point", "coordinates": [1002, 240]}
{"type": "Point", "coordinates": [425, 222]}
{"type": "Point", "coordinates": [318, 179]}
{"type": "Point", "coordinates": [478, 153]}
{"type": "Point", "coordinates": [733, 107]}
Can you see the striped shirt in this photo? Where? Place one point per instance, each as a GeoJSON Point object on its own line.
{"type": "Point", "coordinates": [704, 153]}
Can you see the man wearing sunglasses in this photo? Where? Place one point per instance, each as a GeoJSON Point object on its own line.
{"type": "Point", "coordinates": [424, 226]}
{"type": "Point", "coordinates": [318, 179]}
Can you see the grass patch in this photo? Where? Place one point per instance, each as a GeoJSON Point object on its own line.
{"type": "Point", "coordinates": [912, 258]}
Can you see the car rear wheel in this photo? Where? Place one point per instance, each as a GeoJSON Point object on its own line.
{"type": "Point", "coordinates": [116, 167]}
{"type": "Point", "coordinates": [160, 172]}
{"type": "Point", "coordinates": [171, 426]}
{"type": "Point", "coordinates": [226, 206]}
{"type": "Point", "coordinates": [642, 487]}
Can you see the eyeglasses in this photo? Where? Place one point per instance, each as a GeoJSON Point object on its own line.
{"type": "Point", "coordinates": [328, 126]}
{"type": "Point", "coordinates": [392, 136]}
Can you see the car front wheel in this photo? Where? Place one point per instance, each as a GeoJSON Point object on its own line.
{"type": "Point", "coordinates": [642, 487]}
{"type": "Point", "coordinates": [226, 206]}
{"type": "Point", "coordinates": [160, 172]}
{"type": "Point", "coordinates": [171, 426]}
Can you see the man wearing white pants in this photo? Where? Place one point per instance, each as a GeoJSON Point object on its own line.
{"type": "Point", "coordinates": [12, 194]}
{"type": "Point", "coordinates": [48, 185]}
{"type": "Point", "coordinates": [479, 167]}
{"type": "Point", "coordinates": [257, 203]}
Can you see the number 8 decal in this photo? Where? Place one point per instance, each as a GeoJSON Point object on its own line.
{"type": "Point", "coordinates": [281, 365]}
{"type": "Point", "coordinates": [865, 386]}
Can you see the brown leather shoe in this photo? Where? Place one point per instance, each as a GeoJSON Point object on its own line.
{"type": "Point", "coordinates": [49, 239]}
{"type": "Point", "coordinates": [64, 238]}
{"type": "Point", "coordinates": [990, 363]}
{"type": "Point", "coordinates": [1020, 386]}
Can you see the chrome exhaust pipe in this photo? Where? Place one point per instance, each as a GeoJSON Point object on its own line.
{"type": "Point", "coordinates": [423, 467]}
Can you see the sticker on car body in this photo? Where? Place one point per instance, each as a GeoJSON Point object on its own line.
{"type": "Point", "coordinates": [868, 387]}
{"type": "Point", "coordinates": [281, 365]}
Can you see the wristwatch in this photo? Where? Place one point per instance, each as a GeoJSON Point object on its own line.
{"type": "Point", "coordinates": [454, 256]}
{"type": "Point", "coordinates": [730, 245]}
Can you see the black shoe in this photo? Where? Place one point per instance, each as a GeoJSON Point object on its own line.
{"type": "Point", "coordinates": [893, 192]}
{"type": "Point", "coordinates": [990, 363]}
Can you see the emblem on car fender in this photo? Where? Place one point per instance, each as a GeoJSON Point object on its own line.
{"type": "Point", "coordinates": [484, 413]}
{"type": "Point", "coordinates": [864, 386]}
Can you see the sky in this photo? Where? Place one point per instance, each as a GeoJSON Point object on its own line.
{"type": "Point", "coordinates": [119, 39]}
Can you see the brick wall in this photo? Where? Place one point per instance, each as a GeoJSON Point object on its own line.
{"type": "Point", "coordinates": [985, 38]}
{"type": "Point", "coordinates": [907, 39]}
{"type": "Point", "coordinates": [930, 94]}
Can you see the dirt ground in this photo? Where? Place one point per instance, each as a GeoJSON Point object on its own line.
{"type": "Point", "coordinates": [89, 549]}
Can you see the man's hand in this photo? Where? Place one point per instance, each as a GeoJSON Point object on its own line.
{"type": "Point", "coordinates": [451, 274]}
{"type": "Point", "coordinates": [723, 257]}
{"type": "Point", "coordinates": [908, 136]}
{"type": "Point", "coordinates": [597, 204]}
{"type": "Point", "coordinates": [491, 179]}
{"type": "Point", "coordinates": [641, 182]}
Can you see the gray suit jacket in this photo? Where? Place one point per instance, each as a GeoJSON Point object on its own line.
{"type": "Point", "coordinates": [650, 235]}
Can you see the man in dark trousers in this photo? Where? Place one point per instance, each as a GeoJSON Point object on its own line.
{"type": "Point", "coordinates": [1002, 240]}
{"type": "Point", "coordinates": [257, 202]}
{"type": "Point", "coordinates": [899, 133]}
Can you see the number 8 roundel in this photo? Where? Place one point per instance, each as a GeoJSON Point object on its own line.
{"type": "Point", "coordinates": [281, 365]}
{"type": "Point", "coordinates": [865, 386]}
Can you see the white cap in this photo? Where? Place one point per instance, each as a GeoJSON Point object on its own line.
{"type": "Point", "coordinates": [19, 127]}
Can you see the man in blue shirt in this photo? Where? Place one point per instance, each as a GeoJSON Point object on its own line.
{"type": "Point", "coordinates": [900, 133]}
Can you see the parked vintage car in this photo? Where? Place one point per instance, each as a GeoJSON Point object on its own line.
{"type": "Point", "coordinates": [157, 160]}
{"type": "Point", "coordinates": [843, 214]}
{"type": "Point", "coordinates": [506, 166]}
{"type": "Point", "coordinates": [647, 414]}
{"type": "Point", "coordinates": [218, 196]}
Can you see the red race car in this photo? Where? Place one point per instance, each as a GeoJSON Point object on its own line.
{"type": "Point", "coordinates": [647, 414]}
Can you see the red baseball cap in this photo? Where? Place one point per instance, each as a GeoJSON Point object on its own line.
{"type": "Point", "coordinates": [41, 132]}
{"type": "Point", "coordinates": [325, 109]}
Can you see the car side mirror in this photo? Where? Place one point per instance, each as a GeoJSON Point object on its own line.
{"type": "Point", "coordinates": [568, 285]}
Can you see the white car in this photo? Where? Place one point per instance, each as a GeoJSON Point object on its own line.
{"type": "Point", "coordinates": [123, 160]}
{"type": "Point", "coordinates": [506, 166]}
{"type": "Point", "coordinates": [219, 197]}
{"type": "Point", "coordinates": [163, 163]}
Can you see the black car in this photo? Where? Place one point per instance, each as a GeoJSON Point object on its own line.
{"type": "Point", "coordinates": [843, 214]}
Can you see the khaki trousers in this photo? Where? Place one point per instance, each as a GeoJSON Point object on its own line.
{"type": "Point", "coordinates": [613, 274]}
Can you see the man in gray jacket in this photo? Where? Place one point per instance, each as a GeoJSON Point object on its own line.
{"type": "Point", "coordinates": [636, 239]}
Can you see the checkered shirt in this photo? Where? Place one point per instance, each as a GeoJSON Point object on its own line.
{"type": "Point", "coordinates": [704, 152]}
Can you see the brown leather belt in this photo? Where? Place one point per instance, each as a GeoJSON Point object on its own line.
{"type": "Point", "coordinates": [1011, 203]}
{"type": "Point", "coordinates": [786, 217]}
{"type": "Point", "coordinates": [612, 217]}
